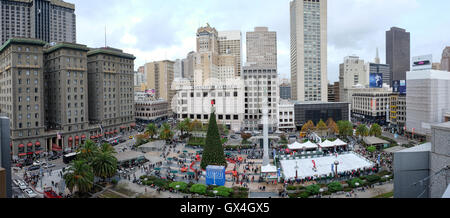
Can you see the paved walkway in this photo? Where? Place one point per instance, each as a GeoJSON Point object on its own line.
{"type": "Point", "coordinates": [370, 193]}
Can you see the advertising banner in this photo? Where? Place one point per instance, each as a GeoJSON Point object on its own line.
{"type": "Point", "coordinates": [399, 86]}
{"type": "Point", "coordinates": [215, 175]}
{"type": "Point", "coordinates": [376, 80]}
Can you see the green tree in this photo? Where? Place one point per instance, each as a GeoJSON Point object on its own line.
{"type": "Point", "coordinates": [213, 151]}
{"type": "Point", "coordinates": [184, 126]}
{"type": "Point", "coordinates": [151, 130]}
{"type": "Point", "coordinates": [198, 188]}
{"type": "Point", "coordinates": [165, 132]}
{"type": "Point", "coordinates": [313, 189]}
{"type": "Point", "coordinates": [104, 164]}
{"type": "Point", "coordinates": [196, 126]}
{"type": "Point", "coordinates": [88, 151]}
{"type": "Point", "coordinates": [371, 149]}
{"type": "Point", "coordinates": [80, 176]}
{"type": "Point", "coordinates": [375, 130]}
{"type": "Point", "coordinates": [105, 147]}
{"type": "Point", "coordinates": [335, 187]}
{"type": "Point", "coordinates": [345, 128]}
{"type": "Point", "coordinates": [223, 130]}
{"type": "Point", "coordinates": [362, 130]}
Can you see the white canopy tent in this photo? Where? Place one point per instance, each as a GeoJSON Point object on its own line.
{"type": "Point", "coordinates": [339, 143]}
{"type": "Point", "coordinates": [269, 169]}
{"type": "Point", "coordinates": [298, 146]}
{"type": "Point", "coordinates": [327, 144]}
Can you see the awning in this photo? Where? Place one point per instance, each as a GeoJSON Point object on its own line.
{"type": "Point", "coordinates": [115, 131]}
{"type": "Point", "coordinates": [21, 146]}
{"type": "Point", "coordinates": [133, 125]}
{"type": "Point", "coordinates": [38, 144]}
{"type": "Point", "coordinates": [100, 136]}
{"type": "Point", "coordinates": [38, 152]}
{"type": "Point", "coordinates": [30, 144]}
{"type": "Point", "coordinates": [77, 137]}
{"type": "Point", "coordinates": [56, 148]}
{"type": "Point", "coordinates": [93, 137]}
{"type": "Point", "coordinates": [123, 127]}
{"type": "Point", "coordinates": [83, 136]}
{"type": "Point", "coordinates": [22, 154]}
{"type": "Point", "coordinates": [30, 153]}
{"type": "Point", "coordinates": [70, 139]}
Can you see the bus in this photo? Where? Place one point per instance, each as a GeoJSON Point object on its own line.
{"type": "Point", "coordinates": [70, 157]}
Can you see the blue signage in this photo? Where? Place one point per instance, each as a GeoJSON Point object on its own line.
{"type": "Point", "coordinates": [215, 175]}
{"type": "Point", "coordinates": [376, 80]}
{"type": "Point", "coordinates": [399, 86]}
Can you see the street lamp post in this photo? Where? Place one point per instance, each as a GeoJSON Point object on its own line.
{"type": "Point", "coordinates": [336, 163]}
{"type": "Point", "coordinates": [296, 170]}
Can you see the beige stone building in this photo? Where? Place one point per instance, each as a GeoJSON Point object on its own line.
{"type": "Point", "coordinates": [160, 76]}
{"type": "Point", "coordinates": [309, 50]}
{"type": "Point", "coordinates": [57, 96]}
{"type": "Point", "coordinates": [351, 73]}
{"type": "Point", "coordinates": [445, 61]}
{"type": "Point", "coordinates": [262, 47]}
{"type": "Point", "coordinates": [230, 43]}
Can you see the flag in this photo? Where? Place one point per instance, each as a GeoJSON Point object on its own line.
{"type": "Point", "coordinates": [101, 127]}
{"type": "Point", "coordinates": [332, 168]}
{"type": "Point", "coordinates": [59, 135]}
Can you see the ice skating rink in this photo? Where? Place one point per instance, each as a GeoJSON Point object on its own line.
{"type": "Point", "coordinates": [347, 162]}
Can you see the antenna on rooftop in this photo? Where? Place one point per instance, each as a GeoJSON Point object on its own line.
{"type": "Point", "coordinates": [105, 35]}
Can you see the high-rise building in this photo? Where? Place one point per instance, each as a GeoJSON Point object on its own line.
{"type": "Point", "coordinates": [351, 73]}
{"type": "Point", "coordinates": [445, 61]}
{"type": "Point", "coordinates": [285, 91]}
{"type": "Point", "coordinates": [178, 68]}
{"type": "Point", "coordinates": [66, 89]}
{"type": "Point", "coordinates": [160, 76]}
{"type": "Point", "coordinates": [111, 92]}
{"type": "Point", "coordinates": [56, 96]}
{"type": "Point", "coordinates": [427, 100]}
{"type": "Point", "coordinates": [262, 47]}
{"type": "Point", "coordinates": [309, 50]}
{"type": "Point", "coordinates": [48, 20]}
{"type": "Point", "coordinates": [188, 66]}
{"type": "Point", "coordinates": [230, 43]}
{"type": "Point", "coordinates": [5, 159]}
{"type": "Point", "coordinates": [382, 69]}
{"type": "Point", "coordinates": [398, 53]}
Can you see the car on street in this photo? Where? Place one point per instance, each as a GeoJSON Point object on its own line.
{"type": "Point", "coordinates": [16, 182]}
{"type": "Point", "coordinates": [49, 165]}
{"type": "Point", "coordinates": [33, 168]}
{"type": "Point", "coordinates": [22, 185]}
{"type": "Point", "coordinates": [131, 137]}
{"type": "Point", "coordinates": [30, 193]}
{"type": "Point", "coordinates": [37, 163]}
{"type": "Point", "coordinates": [53, 158]}
{"type": "Point", "coordinates": [122, 141]}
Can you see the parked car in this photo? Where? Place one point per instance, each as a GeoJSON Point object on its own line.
{"type": "Point", "coordinates": [16, 182]}
{"type": "Point", "coordinates": [53, 158]}
{"type": "Point", "coordinates": [48, 165]}
{"type": "Point", "coordinates": [122, 140]}
{"type": "Point", "coordinates": [37, 163]}
{"type": "Point", "coordinates": [22, 185]}
{"type": "Point", "coordinates": [30, 193]}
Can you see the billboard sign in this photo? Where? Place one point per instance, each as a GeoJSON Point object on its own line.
{"type": "Point", "coordinates": [424, 62]}
{"type": "Point", "coordinates": [376, 80]}
{"type": "Point", "coordinates": [215, 175]}
{"type": "Point", "coordinates": [399, 86]}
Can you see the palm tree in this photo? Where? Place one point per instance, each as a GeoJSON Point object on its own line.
{"type": "Point", "coordinates": [104, 164]}
{"type": "Point", "coordinates": [151, 130]}
{"type": "Point", "coordinates": [107, 148]}
{"type": "Point", "coordinates": [362, 130]}
{"type": "Point", "coordinates": [375, 130]}
{"type": "Point", "coordinates": [165, 132]}
{"type": "Point", "coordinates": [79, 176]}
{"type": "Point", "coordinates": [88, 151]}
{"type": "Point", "coordinates": [183, 127]}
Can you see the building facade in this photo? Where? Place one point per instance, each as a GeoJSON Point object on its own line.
{"type": "Point", "coordinates": [260, 83]}
{"type": "Point", "coordinates": [439, 159]}
{"type": "Point", "coordinates": [262, 47]}
{"type": "Point", "coordinates": [5, 158]}
{"type": "Point", "coordinates": [48, 20]}
{"type": "Point", "coordinates": [57, 96]}
{"type": "Point", "coordinates": [230, 44]}
{"type": "Point", "coordinates": [308, 20]}
{"type": "Point", "coordinates": [160, 76]}
{"type": "Point", "coordinates": [285, 91]}
{"type": "Point", "coordinates": [286, 116]}
{"type": "Point", "coordinates": [316, 111]}
{"type": "Point", "coordinates": [398, 53]}
{"type": "Point", "coordinates": [383, 69]}
{"type": "Point", "coordinates": [445, 61]}
{"type": "Point", "coordinates": [351, 73]}
{"type": "Point", "coordinates": [149, 109]}
{"type": "Point", "coordinates": [371, 105]}
{"type": "Point", "coordinates": [427, 100]}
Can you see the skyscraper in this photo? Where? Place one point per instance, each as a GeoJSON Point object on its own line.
{"type": "Point", "coordinates": [309, 50]}
{"type": "Point", "coordinates": [398, 52]}
{"type": "Point", "coordinates": [230, 43]}
{"type": "Point", "coordinates": [262, 47]}
{"type": "Point", "coordinates": [50, 21]}
{"type": "Point", "coordinates": [351, 73]}
{"type": "Point", "coordinates": [445, 61]}
{"type": "Point", "coordinates": [160, 75]}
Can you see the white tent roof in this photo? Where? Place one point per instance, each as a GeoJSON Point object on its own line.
{"type": "Point", "coordinates": [298, 146]}
{"type": "Point", "coordinates": [295, 146]}
{"type": "Point", "coordinates": [327, 144]}
{"type": "Point", "coordinates": [339, 142]}
{"type": "Point", "coordinates": [308, 145]}
{"type": "Point", "coordinates": [269, 169]}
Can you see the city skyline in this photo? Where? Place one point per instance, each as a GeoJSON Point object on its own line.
{"type": "Point", "coordinates": [134, 28]}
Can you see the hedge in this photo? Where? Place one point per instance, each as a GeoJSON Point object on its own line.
{"type": "Point", "coordinates": [198, 189]}
{"type": "Point", "coordinates": [181, 186]}
{"type": "Point", "coordinates": [335, 187]}
{"type": "Point", "coordinates": [223, 191]}
{"type": "Point", "coordinates": [313, 189]}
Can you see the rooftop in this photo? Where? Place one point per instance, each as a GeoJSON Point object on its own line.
{"type": "Point", "coordinates": [419, 148]}
{"type": "Point", "coordinates": [374, 141]}
{"type": "Point", "coordinates": [129, 155]}
{"type": "Point", "coordinates": [28, 41]}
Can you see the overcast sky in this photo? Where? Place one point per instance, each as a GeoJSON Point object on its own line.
{"type": "Point", "coordinates": [155, 30]}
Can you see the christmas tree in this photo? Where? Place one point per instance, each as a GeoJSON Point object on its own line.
{"type": "Point", "coordinates": [213, 151]}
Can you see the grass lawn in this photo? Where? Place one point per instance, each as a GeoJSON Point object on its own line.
{"type": "Point", "coordinates": [385, 195]}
